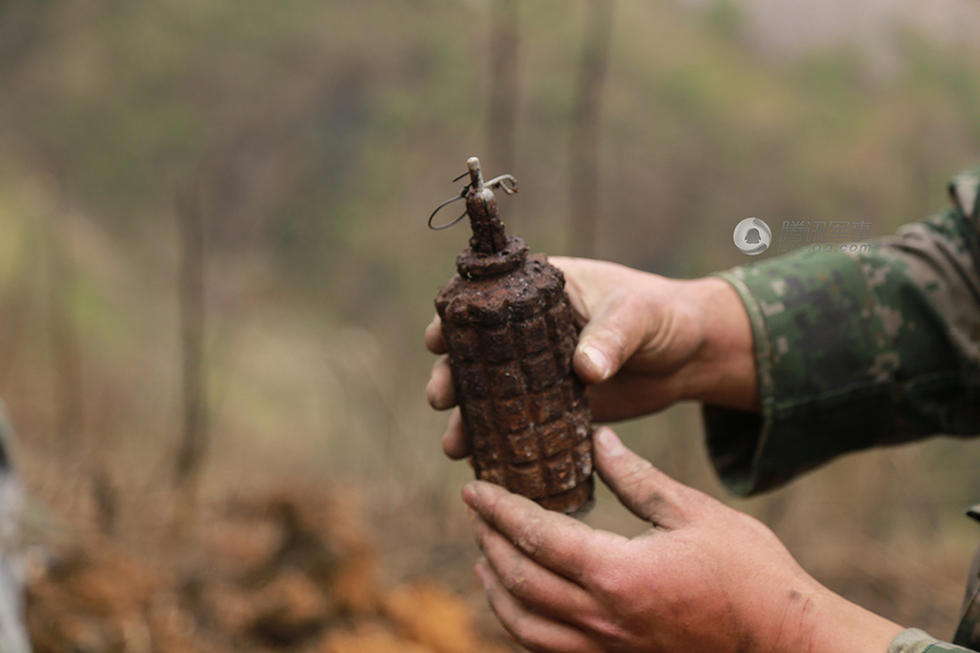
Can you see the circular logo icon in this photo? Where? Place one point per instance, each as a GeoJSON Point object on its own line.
{"type": "Point", "coordinates": [752, 236]}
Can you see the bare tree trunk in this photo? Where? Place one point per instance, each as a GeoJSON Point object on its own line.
{"type": "Point", "coordinates": [65, 352]}
{"type": "Point", "coordinates": [503, 93]}
{"type": "Point", "coordinates": [66, 358]}
{"type": "Point", "coordinates": [585, 128]}
{"type": "Point", "coordinates": [191, 256]}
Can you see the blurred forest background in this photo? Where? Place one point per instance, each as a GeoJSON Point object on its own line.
{"type": "Point", "coordinates": [215, 270]}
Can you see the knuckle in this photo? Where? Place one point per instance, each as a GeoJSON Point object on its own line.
{"type": "Point", "coordinates": [694, 504]}
{"type": "Point", "coordinates": [610, 576]}
{"type": "Point", "coordinates": [613, 339]}
{"type": "Point", "coordinates": [607, 585]}
{"type": "Point", "coordinates": [598, 575]}
{"type": "Point", "coordinates": [633, 312]}
{"type": "Point", "coordinates": [636, 474]}
{"type": "Point", "coordinates": [661, 328]}
{"type": "Point", "coordinates": [638, 470]}
{"type": "Point", "coordinates": [494, 509]}
{"type": "Point", "coordinates": [514, 581]}
{"type": "Point", "coordinates": [653, 503]}
{"type": "Point", "coordinates": [529, 537]}
{"type": "Point", "coordinates": [632, 303]}
{"type": "Point", "coordinates": [601, 626]}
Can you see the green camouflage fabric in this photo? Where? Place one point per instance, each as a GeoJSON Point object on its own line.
{"type": "Point", "coordinates": [914, 640]}
{"type": "Point", "coordinates": [968, 632]}
{"type": "Point", "coordinates": [860, 347]}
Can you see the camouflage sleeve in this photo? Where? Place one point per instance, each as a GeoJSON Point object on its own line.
{"type": "Point", "coordinates": [856, 347]}
{"type": "Point", "coordinates": [914, 640]}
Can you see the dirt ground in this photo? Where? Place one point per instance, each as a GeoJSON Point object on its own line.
{"type": "Point", "coordinates": [283, 571]}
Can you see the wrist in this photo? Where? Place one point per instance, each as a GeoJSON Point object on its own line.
{"type": "Point", "coordinates": [807, 616]}
{"type": "Point", "coordinates": [829, 623]}
{"type": "Point", "coordinates": [723, 372]}
{"type": "Point", "coordinates": [851, 627]}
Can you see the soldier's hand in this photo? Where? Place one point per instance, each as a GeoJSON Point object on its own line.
{"type": "Point", "coordinates": [647, 341]}
{"type": "Point", "coordinates": [703, 578]}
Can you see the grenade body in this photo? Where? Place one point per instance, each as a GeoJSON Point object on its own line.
{"type": "Point", "coordinates": [510, 335]}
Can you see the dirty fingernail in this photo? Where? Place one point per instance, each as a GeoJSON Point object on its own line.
{"type": "Point", "coordinates": [597, 360]}
{"type": "Point", "coordinates": [609, 441]}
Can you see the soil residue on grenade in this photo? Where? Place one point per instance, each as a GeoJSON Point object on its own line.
{"type": "Point", "coordinates": [510, 333]}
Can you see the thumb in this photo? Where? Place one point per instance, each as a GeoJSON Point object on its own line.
{"type": "Point", "coordinates": [646, 491]}
{"type": "Point", "coordinates": [608, 340]}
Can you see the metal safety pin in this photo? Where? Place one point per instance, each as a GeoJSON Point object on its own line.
{"type": "Point", "coordinates": [506, 183]}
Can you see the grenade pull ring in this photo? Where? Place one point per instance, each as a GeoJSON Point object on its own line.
{"type": "Point", "coordinates": [506, 183]}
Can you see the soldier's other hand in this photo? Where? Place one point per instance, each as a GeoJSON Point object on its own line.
{"type": "Point", "coordinates": [646, 342]}
{"type": "Point", "coordinates": [703, 578]}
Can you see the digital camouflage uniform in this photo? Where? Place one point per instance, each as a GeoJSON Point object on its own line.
{"type": "Point", "coordinates": [862, 348]}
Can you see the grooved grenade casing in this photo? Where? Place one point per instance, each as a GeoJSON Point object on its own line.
{"type": "Point", "coordinates": [508, 326]}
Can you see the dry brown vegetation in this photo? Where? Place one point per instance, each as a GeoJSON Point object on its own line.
{"type": "Point", "coordinates": [287, 571]}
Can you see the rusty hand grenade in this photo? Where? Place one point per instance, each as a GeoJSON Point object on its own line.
{"type": "Point", "coordinates": [508, 327]}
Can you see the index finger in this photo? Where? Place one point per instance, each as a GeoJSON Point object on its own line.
{"type": "Point", "coordinates": [434, 341]}
{"type": "Point", "coordinates": [553, 540]}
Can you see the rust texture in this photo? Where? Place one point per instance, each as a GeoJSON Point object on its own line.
{"type": "Point", "coordinates": [509, 329]}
